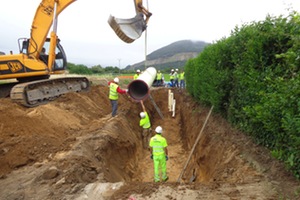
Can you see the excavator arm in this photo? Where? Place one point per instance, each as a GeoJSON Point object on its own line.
{"type": "Point", "coordinates": [32, 67]}
{"type": "Point", "coordinates": [46, 13]}
{"type": "Point", "coordinates": [129, 30]}
{"type": "Point", "coordinates": [139, 8]}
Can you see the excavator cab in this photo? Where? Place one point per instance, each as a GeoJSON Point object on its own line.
{"type": "Point", "coordinates": [60, 62]}
{"type": "Point", "coordinates": [131, 29]}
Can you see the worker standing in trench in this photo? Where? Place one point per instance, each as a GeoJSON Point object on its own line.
{"type": "Point", "coordinates": [146, 125]}
{"type": "Point", "coordinates": [159, 154]}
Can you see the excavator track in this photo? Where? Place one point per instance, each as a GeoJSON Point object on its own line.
{"type": "Point", "coordinates": [35, 93]}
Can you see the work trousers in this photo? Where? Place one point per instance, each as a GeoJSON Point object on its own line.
{"type": "Point", "coordinates": [182, 84]}
{"type": "Point", "coordinates": [114, 105]}
{"type": "Point", "coordinates": [160, 163]}
{"type": "Point", "coordinates": [146, 136]}
{"type": "Point", "coordinates": [172, 82]}
{"type": "Point", "coordinates": [159, 82]}
{"type": "Point", "coordinates": [176, 83]}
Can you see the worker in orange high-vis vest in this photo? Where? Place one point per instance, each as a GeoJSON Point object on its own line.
{"type": "Point", "coordinates": [159, 153]}
{"type": "Point", "coordinates": [146, 125]}
{"type": "Point", "coordinates": [114, 91]}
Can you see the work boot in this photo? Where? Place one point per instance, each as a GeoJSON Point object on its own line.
{"type": "Point", "coordinates": [164, 180]}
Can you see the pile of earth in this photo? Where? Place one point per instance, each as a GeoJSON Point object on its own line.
{"type": "Point", "coordinates": [72, 148]}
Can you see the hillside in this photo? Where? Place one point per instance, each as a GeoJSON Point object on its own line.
{"type": "Point", "coordinates": [173, 55]}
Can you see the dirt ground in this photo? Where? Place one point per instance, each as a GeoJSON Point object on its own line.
{"type": "Point", "coordinates": [72, 148]}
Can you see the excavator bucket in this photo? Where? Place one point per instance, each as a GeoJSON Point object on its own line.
{"type": "Point", "coordinates": [128, 30]}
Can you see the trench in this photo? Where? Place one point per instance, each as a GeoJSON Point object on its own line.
{"type": "Point", "coordinates": [117, 146]}
{"type": "Point", "coordinates": [79, 151]}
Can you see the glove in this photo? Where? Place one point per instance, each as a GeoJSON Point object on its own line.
{"type": "Point", "coordinates": [151, 157]}
{"type": "Point", "coordinates": [167, 158]}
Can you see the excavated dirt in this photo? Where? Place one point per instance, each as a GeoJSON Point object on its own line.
{"type": "Point", "coordinates": [72, 148]}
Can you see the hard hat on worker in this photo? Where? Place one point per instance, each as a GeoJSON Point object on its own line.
{"type": "Point", "coordinates": [158, 129]}
{"type": "Point", "coordinates": [138, 71]}
{"type": "Point", "coordinates": [116, 80]}
{"type": "Point", "coordinates": [142, 115]}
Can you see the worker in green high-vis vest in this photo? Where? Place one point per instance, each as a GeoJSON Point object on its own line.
{"type": "Point", "coordinates": [114, 91]}
{"type": "Point", "coordinates": [159, 78]}
{"type": "Point", "coordinates": [172, 77]}
{"type": "Point", "coordinates": [137, 74]}
{"type": "Point", "coordinates": [146, 125]}
{"type": "Point", "coordinates": [159, 153]}
{"type": "Point", "coordinates": [181, 79]}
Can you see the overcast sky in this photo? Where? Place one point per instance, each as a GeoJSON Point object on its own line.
{"type": "Point", "coordinates": [88, 39]}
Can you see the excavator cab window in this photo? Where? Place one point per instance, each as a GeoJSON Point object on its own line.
{"type": "Point", "coordinates": [44, 56]}
{"type": "Point", "coordinates": [60, 62]}
{"type": "Point", "coordinates": [24, 45]}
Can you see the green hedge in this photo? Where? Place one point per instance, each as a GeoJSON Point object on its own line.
{"type": "Point", "coordinates": [252, 79]}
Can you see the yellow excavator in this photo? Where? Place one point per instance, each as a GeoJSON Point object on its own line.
{"type": "Point", "coordinates": [32, 67]}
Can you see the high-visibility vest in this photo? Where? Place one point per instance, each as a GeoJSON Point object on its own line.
{"type": "Point", "coordinates": [172, 76]}
{"type": "Point", "coordinates": [158, 143]}
{"type": "Point", "coordinates": [181, 76]}
{"type": "Point", "coordinates": [145, 122]}
{"type": "Point", "coordinates": [113, 94]}
{"type": "Point", "coordinates": [176, 75]}
{"type": "Point", "coordinates": [159, 76]}
{"type": "Point", "coordinates": [135, 76]}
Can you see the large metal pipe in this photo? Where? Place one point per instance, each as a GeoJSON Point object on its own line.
{"type": "Point", "coordinates": [139, 89]}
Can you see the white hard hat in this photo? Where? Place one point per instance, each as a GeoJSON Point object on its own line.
{"type": "Point", "coordinates": [142, 115]}
{"type": "Point", "coordinates": [138, 70]}
{"type": "Point", "coordinates": [172, 70]}
{"type": "Point", "coordinates": [176, 69]}
{"type": "Point", "coordinates": [116, 80]}
{"type": "Point", "coordinates": [158, 129]}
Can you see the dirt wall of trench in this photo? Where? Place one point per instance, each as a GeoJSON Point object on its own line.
{"type": "Point", "coordinates": [55, 151]}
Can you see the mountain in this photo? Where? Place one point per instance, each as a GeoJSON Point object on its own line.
{"type": "Point", "coordinates": [173, 55]}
